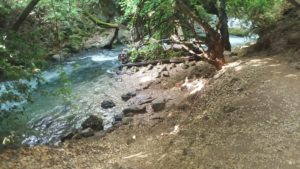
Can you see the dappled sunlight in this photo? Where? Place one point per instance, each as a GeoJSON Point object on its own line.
{"type": "Point", "coordinates": [274, 65]}
{"type": "Point", "coordinates": [291, 76]}
{"type": "Point", "coordinates": [138, 155]}
{"type": "Point", "coordinates": [194, 86]}
{"type": "Point", "coordinates": [257, 62]}
{"type": "Point", "coordinates": [146, 79]}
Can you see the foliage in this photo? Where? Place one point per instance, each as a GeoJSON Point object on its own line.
{"type": "Point", "coordinates": [152, 52]}
{"type": "Point", "coordinates": [239, 32]}
{"type": "Point", "coordinates": [260, 12]}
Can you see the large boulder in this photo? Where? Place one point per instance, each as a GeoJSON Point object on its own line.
{"type": "Point", "coordinates": [93, 122]}
{"type": "Point", "coordinates": [100, 40]}
{"type": "Point", "coordinates": [123, 35]}
{"type": "Point", "coordinates": [106, 104]}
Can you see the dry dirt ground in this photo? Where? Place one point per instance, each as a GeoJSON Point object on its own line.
{"type": "Point", "coordinates": [247, 116]}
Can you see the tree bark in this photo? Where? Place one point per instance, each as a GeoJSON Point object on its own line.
{"type": "Point", "coordinates": [213, 38]}
{"type": "Point", "coordinates": [223, 22]}
{"type": "Point", "coordinates": [24, 14]}
{"type": "Point", "coordinates": [111, 42]}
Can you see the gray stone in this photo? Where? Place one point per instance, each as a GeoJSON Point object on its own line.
{"type": "Point", "coordinates": [127, 96]}
{"type": "Point", "coordinates": [58, 58]}
{"type": "Point", "coordinates": [118, 117]}
{"type": "Point", "coordinates": [163, 68]}
{"type": "Point", "coordinates": [106, 104]}
{"type": "Point", "coordinates": [184, 66]}
{"type": "Point", "coordinates": [165, 73]}
{"type": "Point", "coordinates": [193, 63]}
{"type": "Point", "coordinates": [158, 104]}
{"type": "Point", "coordinates": [88, 132]}
{"type": "Point", "coordinates": [157, 74]}
{"type": "Point", "coordinates": [134, 109]}
{"type": "Point", "coordinates": [296, 65]}
{"type": "Point", "coordinates": [149, 67]}
{"type": "Point", "coordinates": [93, 122]}
{"type": "Point", "coordinates": [146, 85]}
{"type": "Point", "coordinates": [100, 40]}
{"type": "Point", "coordinates": [67, 136]}
{"type": "Point", "coordinates": [77, 136]}
{"type": "Point", "coordinates": [127, 120]}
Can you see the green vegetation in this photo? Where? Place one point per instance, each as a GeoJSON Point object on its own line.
{"type": "Point", "coordinates": [32, 31]}
{"type": "Point", "coordinates": [239, 31]}
{"type": "Point", "coordinates": [152, 52]}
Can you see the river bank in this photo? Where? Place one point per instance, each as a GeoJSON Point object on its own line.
{"type": "Point", "coordinates": [228, 122]}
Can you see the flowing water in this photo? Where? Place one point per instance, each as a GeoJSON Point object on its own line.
{"type": "Point", "coordinates": [92, 80]}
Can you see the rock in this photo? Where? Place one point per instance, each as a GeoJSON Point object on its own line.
{"type": "Point", "coordinates": [106, 104]}
{"type": "Point", "coordinates": [124, 68]}
{"type": "Point", "coordinates": [296, 65]}
{"type": "Point", "coordinates": [149, 67]}
{"type": "Point", "coordinates": [118, 117]}
{"type": "Point", "coordinates": [88, 132]}
{"type": "Point", "coordinates": [184, 65]}
{"type": "Point", "coordinates": [127, 120]}
{"type": "Point", "coordinates": [58, 58]}
{"type": "Point", "coordinates": [144, 99]}
{"type": "Point", "coordinates": [134, 109]}
{"type": "Point", "coordinates": [100, 40]}
{"type": "Point", "coordinates": [164, 68]}
{"type": "Point", "coordinates": [173, 65]}
{"type": "Point", "coordinates": [77, 136]}
{"type": "Point", "coordinates": [134, 69]}
{"type": "Point", "coordinates": [146, 85]}
{"type": "Point", "coordinates": [93, 122]}
{"type": "Point", "coordinates": [193, 63]}
{"type": "Point", "coordinates": [157, 74]}
{"type": "Point", "coordinates": [165, 73]}
{"type": "Point", "coordinates": [158, 104]}
{"type": "Point", "coordinates": [127, 96]}
{"type": "Point", "coordinates": [67, 136]}
{"type": "Point", "coordinates": [123, 36]}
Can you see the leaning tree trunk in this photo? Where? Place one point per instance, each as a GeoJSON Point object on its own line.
{"type": "Point", "coordinates": [24, 14]}
{"type": "Point", "coordinates": [213, 38]}
{"type": "Point", "coordinates": [223, 23]}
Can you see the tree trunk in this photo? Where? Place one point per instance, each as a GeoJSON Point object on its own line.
{"type": "Point", "coordinates": [111, 42]}
{"type": "Point", "coordinates": [223, 22]}
{"type": "Point", "coordinates": [213, 38]}
{"type": "Point", "coordinates": [24, 14]}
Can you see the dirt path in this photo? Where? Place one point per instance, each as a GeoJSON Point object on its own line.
{"type": "Point", "coordinates": [248, 116]}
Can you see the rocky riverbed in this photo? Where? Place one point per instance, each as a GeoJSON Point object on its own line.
{"type": "Point", "coordinates": [146, 90]}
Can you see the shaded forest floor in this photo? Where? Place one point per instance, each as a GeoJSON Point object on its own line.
{"type": "Point", "coordinates": [247, 116]}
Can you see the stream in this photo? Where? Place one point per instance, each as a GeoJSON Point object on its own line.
{"type": "Point", "coordinates": [92, 80]}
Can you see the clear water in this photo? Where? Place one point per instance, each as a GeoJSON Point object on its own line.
{"type": "Point", "coordinates": [92, 81]}
{"type": "Point", "coordinates": [49, 116]}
